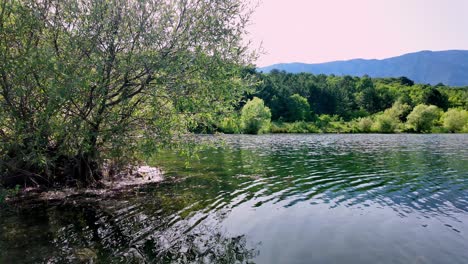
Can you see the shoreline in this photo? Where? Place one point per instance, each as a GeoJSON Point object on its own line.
{"type": "Point", "coordinates": [145, 176]}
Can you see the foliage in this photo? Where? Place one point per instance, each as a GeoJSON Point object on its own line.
{"type": "Point", "coordinates": [390, 120]}
{"type": "Point", "coordinates": [324, 120]}
{"type": "Point", "coordinates": [345, 103]}
{"type": "Point", "coordinates": [351, 97]}
{"type": "Point", "coordinates": [455, 120]}
{"type": "Point", "coordinates": [434, 97]}
{"type": "Point", "coordinates": [231, 125]}
{"type": "Point", "coordinates": [364, 124]}
{"type": "Point", "coordinates": [82, 80]}
{"type": "Point", "coordinates": [298, 108]}
{"type": "Point", "coordinates": [399, 110]}
{"type": "Point", "coordinates": [367, 97]}
{"type": "Point", "coordinates": [422, 118]}
{"type": "Point", "coordinates": [458, 97]}
{"type": "Point", "coordinates": [256, 117]}
{"type": "Point", "coordinates": [340, 126]}
{"type": "Point", "coordinates": [4, 193]}
{"type": "Point", "coordinates": [385, 123]}
{"type": "Point", "coordinates": [295, 127]}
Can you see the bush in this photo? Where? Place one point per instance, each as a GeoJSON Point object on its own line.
{"type": "Point", "coordinates": [385, 123]}
{"type": "Point", "coordinates": [256, 117]}
{"type": "Point", "coordinates": [455, 120]}
{"type": "Point", "coordinates": [399, 110]}
{"type": "Point", "coordinates": [422, 118]}
{"type": "Point", "coordinates": [296, 127]}
{"type": "Point", "coordinates": [364, 124]}
{"type": "Point", "coordinates": [230, 125]}
{"type": "Point", "coordinates": [332, 124]}
{"type": "Point", "coordinates": [324, 120]}
{"type": "Point", "coordinates": [298, 108]}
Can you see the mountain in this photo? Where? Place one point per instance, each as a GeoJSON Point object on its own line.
{"type": "Point", "coordinates": [448, 67]}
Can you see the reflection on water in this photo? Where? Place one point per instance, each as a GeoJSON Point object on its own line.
{"type": "Point", "coordinates": [271, 199]}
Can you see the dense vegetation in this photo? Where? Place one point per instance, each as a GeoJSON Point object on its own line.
{"type": "Point", "coordinates": [301, 103]}
{"type": "Point", "coordinates": [87, 85]}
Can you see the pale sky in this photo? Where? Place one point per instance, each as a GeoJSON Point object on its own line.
{"type": "Point", "coordinates": [315, 31]}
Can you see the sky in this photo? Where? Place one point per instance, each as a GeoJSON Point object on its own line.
{"type": "Point", "coordinates": [314, 31]}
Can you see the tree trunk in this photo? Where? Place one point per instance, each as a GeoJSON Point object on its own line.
{"type": "Point", "coordinates": [87, 170]}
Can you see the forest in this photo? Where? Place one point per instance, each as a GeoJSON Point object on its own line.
{"type": "Point", "coordinates": [307, 103]}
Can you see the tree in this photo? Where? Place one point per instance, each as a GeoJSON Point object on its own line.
{"type": "Point", "coordinates": [367, 98]}
{"type": "Point", "coordinates": [399, 110]}
{"type": "Point", "coordinates": [405, 81]}
{"type": "Point", "coordinates": [256, 117]}
{"type": "Point", "coordinates": [435, 97]}
{"type": "Point", "coordinates": [455, 120]}
{"type": "Point", "coordinates": [422, 118]}
{"type": "Point", "coordinates": [80, 81]}
{"type": "Point", "coordinates": [298, 109]}
{"type": "Point", "coordinates": [278, 107]}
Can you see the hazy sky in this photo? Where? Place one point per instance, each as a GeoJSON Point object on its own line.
{"type": "Point", "coordinates": [325, 30]}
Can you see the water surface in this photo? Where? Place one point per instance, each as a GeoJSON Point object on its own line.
{"type": "Point", "coordinates": [271, 199]}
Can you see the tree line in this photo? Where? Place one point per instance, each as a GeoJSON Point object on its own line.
{"type": "Point", "coordinates": [318, 103]}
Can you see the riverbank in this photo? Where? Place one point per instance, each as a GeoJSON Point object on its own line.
{"type": "Point", "coordinates": [108, 188]}
{"type": "Point", "coordinates": [352, 127]}
{"type": "Point", "coordinates": [359, 126]}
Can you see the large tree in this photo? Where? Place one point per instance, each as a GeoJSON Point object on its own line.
{"type": "Point", "coordinates": [86, 80]}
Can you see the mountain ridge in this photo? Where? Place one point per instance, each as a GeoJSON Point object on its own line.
{"type": "Point", "coordinates": [449, 67]}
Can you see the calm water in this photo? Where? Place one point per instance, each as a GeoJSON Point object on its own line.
{"type": "Point", "coordinates": [271, 199]}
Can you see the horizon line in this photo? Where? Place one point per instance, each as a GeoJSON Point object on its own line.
{"type": "Point", "coordinates": [352, 59]}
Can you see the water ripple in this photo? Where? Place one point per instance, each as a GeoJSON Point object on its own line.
{"type": "Point", "coordinates": [384, 188]}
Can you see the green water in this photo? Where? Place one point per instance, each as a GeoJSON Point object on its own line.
{"type": "Point", "coordinates": [270, 199]}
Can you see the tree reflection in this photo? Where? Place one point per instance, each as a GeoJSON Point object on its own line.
{"type": "Point", "coordinates": [135, 234]}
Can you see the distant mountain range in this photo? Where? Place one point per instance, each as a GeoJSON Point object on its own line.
{"type": "Point", "coordinates": [448, 67]}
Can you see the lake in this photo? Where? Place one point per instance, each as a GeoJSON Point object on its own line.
{"type": "Point", "coordinates": [397, 198]}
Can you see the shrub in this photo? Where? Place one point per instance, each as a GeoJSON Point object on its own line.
{"type": "Point", "coordinates": [296, 127]}
{"type": "Point", "coordinates": [364, 124]}
{"type": "Point", "coordinates": [278, 128]}
{"type": "Point", "coordinates": [230, 125]}
{"type": "Point", "coordinates": [332, 124]}
{"type": "Point", "coordinates": [399, 110]}
{"type": "Point", "coordinates": [256, 117]}
{"type": "Point", "coordinates": [324, 120]}
{"type": "Point", "coordinates": [422, 118]}
{"type": "Point", "coordinates": [385, 123]}
{"type": "Point", "coordinates": [338, 127]}
{"type": "Point", "coordinates": [454, 120]}
{"type": "Point", "coordinates": [298, 108]}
